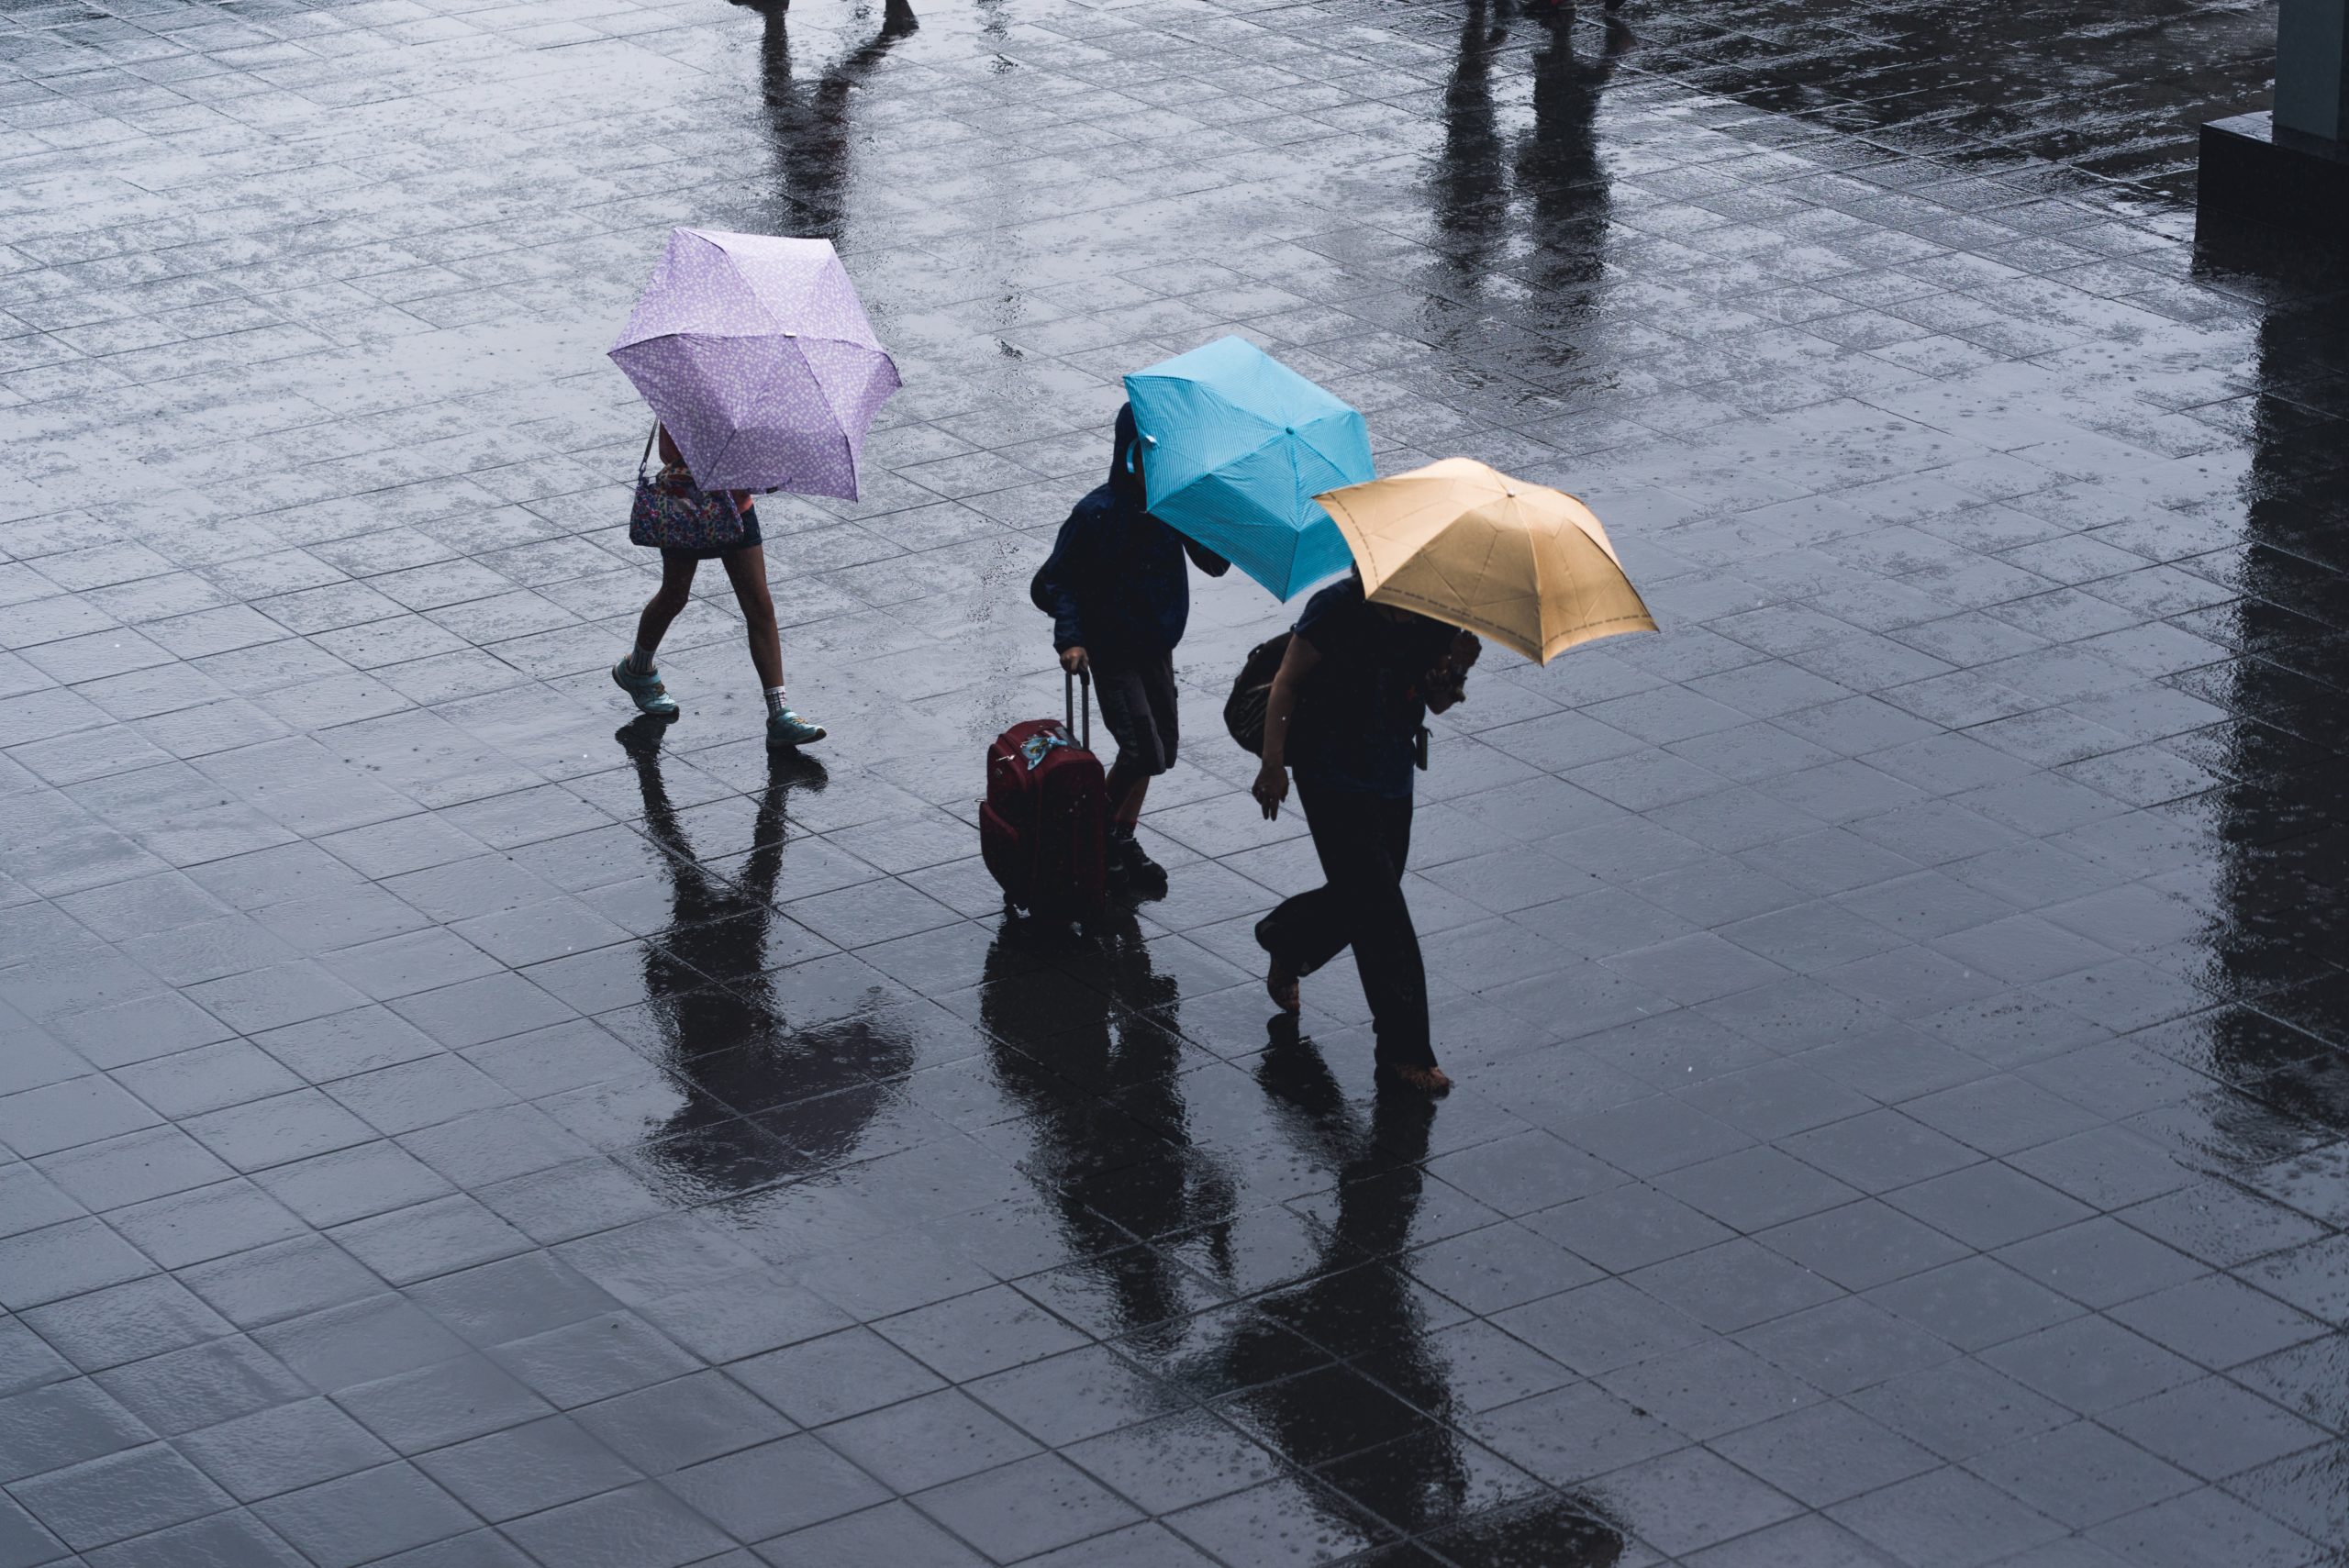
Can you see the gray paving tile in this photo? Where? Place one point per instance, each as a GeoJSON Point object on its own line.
{"type": "Point", "coordinates": [101, 1501]}
{"type": "Point", "coordinates": [894, 1533]}
{"type": "Point", "coordinates": [1945, 1517]}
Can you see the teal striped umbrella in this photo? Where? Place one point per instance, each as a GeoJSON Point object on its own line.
{"type": "Point", "coordinates": [1235, 447]}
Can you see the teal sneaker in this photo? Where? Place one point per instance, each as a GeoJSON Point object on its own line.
{"type": "Point", "coordinates": [645, 690]}
{"type": "Point", "coordinates": [788, 729]}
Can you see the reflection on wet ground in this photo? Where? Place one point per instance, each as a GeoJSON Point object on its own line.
{"type": "Point", "coordinates": [809, 122]}
{"type": "Point", "coordinates": [2115, 96]}
{"type": "Point", "coordinates": [761, 1100]}
{"type": "Point", "coordinates": [1900, 1009]}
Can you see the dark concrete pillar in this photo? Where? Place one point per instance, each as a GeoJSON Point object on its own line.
{"type": "Point", "coordinates": [2312, 68]}
{"type": "Point", "coordinates": [2289, 168]}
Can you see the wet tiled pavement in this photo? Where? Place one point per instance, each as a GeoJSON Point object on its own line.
{"type": "Point", "coordinates": [1899, 1008]}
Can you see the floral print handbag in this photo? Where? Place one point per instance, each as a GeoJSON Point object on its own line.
{"type": "Point", "coordinates": [674, 513]}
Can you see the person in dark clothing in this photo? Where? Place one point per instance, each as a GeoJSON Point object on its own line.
{"type": "Point", "coordinates": [1346, 710]}
{"type": "Point", "coordinates": [1120, 596]}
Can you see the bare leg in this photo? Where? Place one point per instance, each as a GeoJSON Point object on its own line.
{"type": "Point", "coordinates": [1126, 799]}
{"type": "Point", "coordinates": [747, 570]}
{"type": "Point", "coordinates": [668, 601]}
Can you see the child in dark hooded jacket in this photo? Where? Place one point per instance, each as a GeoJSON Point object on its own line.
{"type": "Point", "coordinates": [1119, 595]}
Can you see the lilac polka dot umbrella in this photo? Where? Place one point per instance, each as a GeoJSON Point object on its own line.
{"type": "Point", "coordinates": [757, 356]}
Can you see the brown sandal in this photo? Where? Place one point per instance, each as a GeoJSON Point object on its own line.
{"type": "Point", "coordinates": [1280, 984]}
{"type": "Point", "coordinates": [1433, 1081]}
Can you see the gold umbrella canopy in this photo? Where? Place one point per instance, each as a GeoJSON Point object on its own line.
{"type": "Point", "coordinates": [1528, 566]}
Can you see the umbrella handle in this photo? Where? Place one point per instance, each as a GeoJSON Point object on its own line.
{"type": "Point", "coordinates": [649, 437]}
{"type": "Point", "coordinates": [1069, 679]}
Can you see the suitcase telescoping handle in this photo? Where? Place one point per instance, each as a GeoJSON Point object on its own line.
{"type": "Point", "coordinates": [1069, 679]}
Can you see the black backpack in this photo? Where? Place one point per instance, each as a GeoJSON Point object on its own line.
{"type": "Point", "coordinates": [1243, 710]}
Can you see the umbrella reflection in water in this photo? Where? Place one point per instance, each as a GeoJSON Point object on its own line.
{"type": "Point", "coordinates": [1339, 1371]}
{"type": "Point", "coordinates": [764, 1101]}
{"type": "Point", "coordinates": [1333, 1366]}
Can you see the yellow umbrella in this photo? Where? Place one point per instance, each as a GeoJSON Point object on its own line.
{"type": "Point", "coordinates": [1528, 566]}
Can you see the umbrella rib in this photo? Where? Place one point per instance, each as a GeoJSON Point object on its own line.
{"type": "Point", "coordinates": [1541, 596]}
{"type": "Point", "coordinates": [726, 261]}
{"type": "Point", "coordinates": [1296, 489]}
{"type": "Point", "coordinates": [717, 464]}
{"type": "Point", "coordinates": [1206, 474]}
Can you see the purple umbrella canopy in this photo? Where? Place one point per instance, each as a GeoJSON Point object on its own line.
{"type": "Point", "coordinates": [756, 354]}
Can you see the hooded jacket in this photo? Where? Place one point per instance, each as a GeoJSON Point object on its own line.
{"type": "Point", "coordinates": [1115, 584]}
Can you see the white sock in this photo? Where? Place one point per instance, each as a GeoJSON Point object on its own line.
{"type": "Point", "coordinates": [640, 661]}
{"type": "Point", "coordinates": [776, 701]}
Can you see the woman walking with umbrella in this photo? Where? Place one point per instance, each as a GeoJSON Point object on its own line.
{"type": "Point", "coordinates": [745, 562]}
{"type": "Point", "coordinates": [756, 356]}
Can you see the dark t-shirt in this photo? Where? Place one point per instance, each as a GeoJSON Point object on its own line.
{"type": "Point", "coordinates": [1359, 713]}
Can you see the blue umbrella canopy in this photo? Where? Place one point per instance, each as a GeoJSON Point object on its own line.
{"type": "Point", "coordinates": [1235, 446]}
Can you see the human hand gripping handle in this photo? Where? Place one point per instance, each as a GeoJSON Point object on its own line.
{"type": "Point", "coordinates": [1271, 787]}
{"type": "Point", "coordinates": [1075, 661]}
{"type": "Point", "coordinates": [1447, 683]}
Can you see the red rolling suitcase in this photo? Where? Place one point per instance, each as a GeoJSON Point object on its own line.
{"type": "Point", "coordinates": [1044, 825]}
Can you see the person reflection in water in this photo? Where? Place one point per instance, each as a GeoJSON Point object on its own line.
{"type": "Point", "coordinates": [1084, 1040]}
{"type": "Point", "coordinates": [808, 121]}
{"type": "Point", "coordinates": [1558, 166]}
{"type": "Point", "coordinates": [1471, 197]}
{"type": "Point", "coordinates": [1379, 1428]}
{"type": "Point", "coordinates": [1554, 167]}
{"type": "Point", "coordinates": [764, 1101]}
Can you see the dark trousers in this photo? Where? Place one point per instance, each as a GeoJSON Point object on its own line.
{"type": "Point", "coordinates": [1363, 841]}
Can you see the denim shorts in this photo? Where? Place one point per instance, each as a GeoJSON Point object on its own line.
{"type": "Point", "coordinates": [749, 536]}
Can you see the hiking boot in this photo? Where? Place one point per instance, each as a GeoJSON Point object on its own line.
{"type": "Point", "coordinates": [645, 690]}
{"type": "Point", "coordinates": [1126, 859]}
{"type": "Point", "coordinates": [788, 729]}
